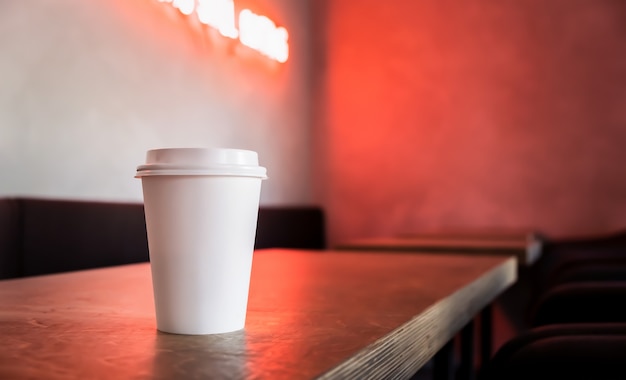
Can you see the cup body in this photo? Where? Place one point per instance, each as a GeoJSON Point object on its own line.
{"type": "Point", "coordinates": [201, 230]}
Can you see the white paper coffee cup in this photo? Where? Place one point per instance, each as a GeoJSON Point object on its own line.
{"type": "Point", "coordinates": [201, 207]}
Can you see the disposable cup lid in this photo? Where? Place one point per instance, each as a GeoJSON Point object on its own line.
{"type": "Point", "coordinates": [201, 161]}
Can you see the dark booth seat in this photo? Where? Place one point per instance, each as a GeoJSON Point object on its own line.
{"type": "Point", "coordinates": [42, 236]}
{"type": "Point", "coordinates": [570, 351]}
{"type": "Point", "coordinates": [576, 253]}
{"type": "Point", "coordinates": [291, 227]}
{"type": "Point", "coordinates": [577, 325]}
{"type": "Point", "coordinates": [589, 270]}
{"type": "Point", "coordinates": [581, 302]}
{"type": "Point", "coordinates": [10, 260]}
{"type": "Point", "coordinates": [599, 258]}
{"type": "Point", "coordinates": [68, 235]}
{"type": "Point", "coordinates": [578, 331]}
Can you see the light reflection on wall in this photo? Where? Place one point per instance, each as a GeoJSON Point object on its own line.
{"type": "Point", "coordinates": [257, 32]}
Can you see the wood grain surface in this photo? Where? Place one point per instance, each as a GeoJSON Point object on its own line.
{"type": "Point", "coordinates": [310, 315]}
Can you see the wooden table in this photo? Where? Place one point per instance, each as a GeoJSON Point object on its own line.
{"type": "Point", "coordinates": [312, 314]}
{"type": "Point", "coordinates": [526, 246]}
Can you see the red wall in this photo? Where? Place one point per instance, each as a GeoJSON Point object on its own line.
{"type": "Point", "coordinates": [439, 114]}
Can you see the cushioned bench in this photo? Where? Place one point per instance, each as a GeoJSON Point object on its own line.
{"type": "Point", "coordinates": [562, 351]}
{"type": "Point", "coordinates": [64, 235]}
{"type": "Point", "coordinates": [42, 236]}
{"type": "Point", "coordinates": [291, 227]}
{"type": "Point", "coordinates": [563, 254]}
{"type": "Point", "coordinates": [10, 260]}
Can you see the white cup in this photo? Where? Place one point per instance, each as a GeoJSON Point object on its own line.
{"type": "Point", "coordinates": [201, 207]}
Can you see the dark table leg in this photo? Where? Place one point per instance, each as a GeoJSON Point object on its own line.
{"type": "Point", "coordinates": [466, 367]}
{"type": "Point", "coordinates": [443, 362]}
{"type": "Point", "coordinates": [486, 335]}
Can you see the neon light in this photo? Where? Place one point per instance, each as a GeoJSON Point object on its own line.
{"type": "Point", "coordinates": [260, 33]}
{"type": "Point", "coordinates": [185, 7]}
{"type": "Point", "coordinates": [255, 31]}
{"type": "Point", "coordinates": [218, 14]}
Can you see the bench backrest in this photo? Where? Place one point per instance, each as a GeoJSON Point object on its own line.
{"type": "Point", "coordinates": [42, 236]}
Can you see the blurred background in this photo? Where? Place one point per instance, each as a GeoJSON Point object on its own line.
{"type": "Point", "coordinates": [395, 117]}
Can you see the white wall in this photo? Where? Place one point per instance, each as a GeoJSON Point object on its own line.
{"type": "Point", "coordinates": [86, 87]}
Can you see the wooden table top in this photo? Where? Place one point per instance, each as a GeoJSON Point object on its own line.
{"type": "Point", "coordinates": [311, 314]}
{"type": "Point", "coordinates": [527, 247]}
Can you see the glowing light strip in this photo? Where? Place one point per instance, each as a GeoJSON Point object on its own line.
{"type": "Point", "coordinates": [255, 31]}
